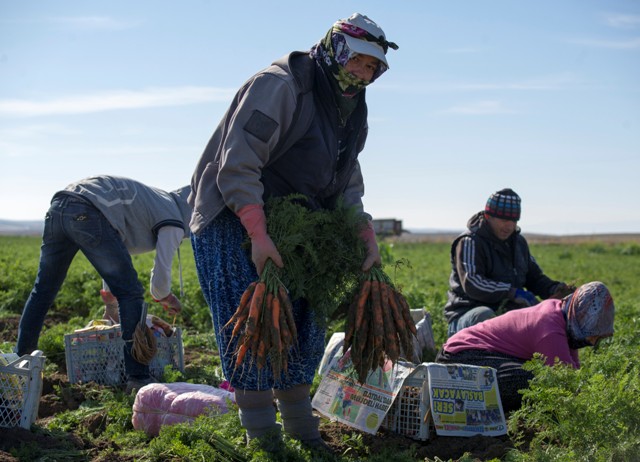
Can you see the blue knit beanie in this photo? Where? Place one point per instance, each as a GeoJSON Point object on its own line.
{"type": "Point", "coordinates": [504, 204]}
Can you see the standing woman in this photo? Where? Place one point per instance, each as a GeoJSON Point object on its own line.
{"type": "Point", "coordinates": [554, 328]}
{"type": "Point", "coordinates": [294, 127]}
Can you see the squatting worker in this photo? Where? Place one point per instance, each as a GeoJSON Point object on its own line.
{"type": "Point", "coordinates": [108, 219]}
{"type": "Point", "coordinates": [556, 329]}
{"type": "Point", "coordinates": [294, 127]}
{"type": "Point", "coordinates": [492, 269]}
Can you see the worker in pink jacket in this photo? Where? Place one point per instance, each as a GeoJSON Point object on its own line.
{"type": "Point", "coordinates": [556, 329]}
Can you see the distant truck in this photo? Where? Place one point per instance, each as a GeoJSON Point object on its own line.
{"type": "Point", "coordinates": [387, 227]}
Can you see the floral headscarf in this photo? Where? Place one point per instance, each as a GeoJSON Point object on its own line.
{"type": "Point", "coordinates": [589, 312]}
{"type": "Point", "coordinates": [333, 54]}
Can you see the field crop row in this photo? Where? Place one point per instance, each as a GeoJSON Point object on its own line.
{"type": "Point", "coordinates": [590, 414]}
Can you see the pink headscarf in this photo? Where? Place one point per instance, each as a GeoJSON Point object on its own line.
{"type": "Point", "coordinates": [589, 311]}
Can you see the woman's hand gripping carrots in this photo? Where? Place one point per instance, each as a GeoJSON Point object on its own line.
{"type": "Point", "coordinates": [264, 321]}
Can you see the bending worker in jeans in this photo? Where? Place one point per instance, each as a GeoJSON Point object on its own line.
{"type": "Point", "coordinates": [108, 219]}
{"type": "Point", "coordinates": [492, 269]}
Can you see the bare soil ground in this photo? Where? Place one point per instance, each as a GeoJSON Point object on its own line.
{"type": "Point", "coordinates": [58, 395]}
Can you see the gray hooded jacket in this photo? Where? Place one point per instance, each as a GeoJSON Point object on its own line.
{"type": "Point", "coordinates": [270, 114]}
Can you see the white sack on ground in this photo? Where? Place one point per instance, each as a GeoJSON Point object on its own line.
{"type": "Point", "coordinates": [159, 404]}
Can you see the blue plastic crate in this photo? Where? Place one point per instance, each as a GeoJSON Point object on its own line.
{"type": "Point", "coordinates": [20, 388]}
{"type": "Point", "coordinates": [98, 356]}
{"type": "Point", "coordinates": [409, 414]}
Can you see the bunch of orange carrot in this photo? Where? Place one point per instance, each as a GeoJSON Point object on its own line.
{"type": "Point", "coordinates": [378, 325]}
{"type": "Point", "coordinates": [264, 322]}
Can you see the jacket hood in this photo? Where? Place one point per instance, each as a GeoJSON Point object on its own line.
{"type": "Point", "coordinates": [475, 222]}
{"type": "Point", "coordinates": [298, 64]}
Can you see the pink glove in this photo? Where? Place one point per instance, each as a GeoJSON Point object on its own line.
{"type": "Point", "coordinates": [368, 235]}
{"type": "Point", "coordinates": [262, 247]}
{"type": "Point", "coordinates": [171, 304]}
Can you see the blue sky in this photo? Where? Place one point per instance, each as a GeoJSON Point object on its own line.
{"type": "Point", "coordinates": [540, 96]}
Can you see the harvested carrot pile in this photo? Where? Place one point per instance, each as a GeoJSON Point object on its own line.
{"type": "Point", "coordinates": [379, 324]}
{"type": "Point", "coordinates": [264, 322]}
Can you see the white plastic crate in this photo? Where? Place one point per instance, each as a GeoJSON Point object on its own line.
{"type": "Point", "coordinates": [409, 413]}
{"type": "Point", "coordinates": [20, 389]}
{"type": "Point", "coordinates": [98, 356]}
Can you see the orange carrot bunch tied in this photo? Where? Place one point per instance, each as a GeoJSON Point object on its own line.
{"type": "Point", "coordinates": [379, 324]}
{"type": "Point", "coordinates": [264, 322]}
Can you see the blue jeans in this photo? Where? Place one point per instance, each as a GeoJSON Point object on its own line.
{"type": "Point", "coordinates": [471, 317]}
{"type": "Point", "coordinates": [73, 225]}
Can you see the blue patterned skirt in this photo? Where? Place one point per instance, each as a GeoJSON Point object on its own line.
{"type": "Point", "coordinates": [225, 270]}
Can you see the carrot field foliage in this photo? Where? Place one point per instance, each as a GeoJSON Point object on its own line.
{"type": "Point", "coordinates": [79, 295]}
{"type": "Point", "coordinates": [592, 414]}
